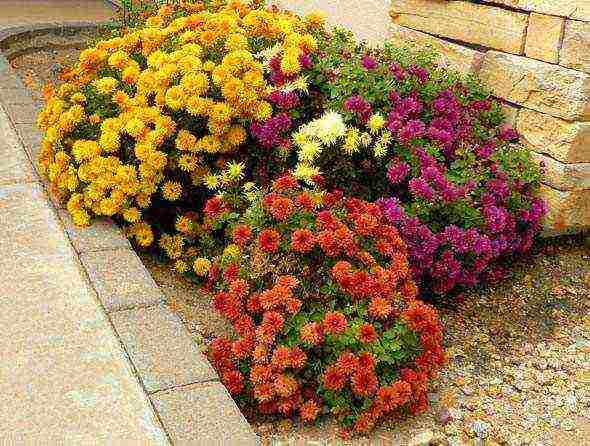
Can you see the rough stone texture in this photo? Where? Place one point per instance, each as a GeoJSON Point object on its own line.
{"type": "Point", "coordinates": [203, 414]}
{"type": "Point", "coordinates": [160, 348]}
{"type": "Point", "coordinates": [569, 212]}
{"type": "Point", "coordinates": [372, 24]}
{"type": "Point", "coordinates": [102, 235]}
{"type": "Point", "coordinates": [510, 113]}
{"type": "Point", "coordinates": [15, 166]}
{"type": "Point", "coordinates": [565, 141]}
{"type": "Point", "coordinates": [575, 52]}
{"type": "Point", "coordinates": [574, 9]}
{"type": "Point", "coordinates": [464, 21]}
{"type": "Point", "coordinates": [564, 177]}
{"type": "Point", "coordinates": [544, 87]}
{"type": "Point", "coordinates": [31, 138]}
{"type": "Point", "coordinates": [120, 279]}
{"type": "Point", "coordinates": [543, 37]}
{"type": "Point", "coordinates": [64, 378]}
{"type": "Point", "coordinates": [455, 56]}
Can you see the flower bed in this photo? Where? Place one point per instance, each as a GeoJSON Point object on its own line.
{"type": "Point", "coordinates": [182, 129]}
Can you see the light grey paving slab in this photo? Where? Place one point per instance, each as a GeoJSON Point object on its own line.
{"type": "Point", "coordinates": [120, 279]}
{"type": "Point", "coordinates": [15, 166]}
{"type": "Point", "coordinates": [104, 234]}
{"type": "Point", "coordinates": [64, 378]}
{"type": "Point", "coordinates": [160, 348]}
{"type": "Point", "coordinates": [203, 414]}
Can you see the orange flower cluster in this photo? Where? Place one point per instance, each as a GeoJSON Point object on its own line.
{"type": "Point", "coordinates": [319, 279]}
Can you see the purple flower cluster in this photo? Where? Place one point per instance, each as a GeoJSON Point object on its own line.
{"type": "Point", "coordinates": [361, 107]}
{"type": "Point", "coordinates": [273, 132]}
{"type": "Point", "coordinates": [284, 100]}
{"type": "Point", "coordinates": [369, 63]}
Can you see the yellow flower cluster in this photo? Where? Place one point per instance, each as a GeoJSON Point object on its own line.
{"type": "Point", "coordinates": [162, 109]}
{"type": "Point", "coordinates": [329, 132]}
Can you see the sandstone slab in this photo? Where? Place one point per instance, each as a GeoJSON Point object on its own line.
{"type": "Point", "coordinates": [457, 57]}
{"type": "Point", "coordinates": [120, 279]}
{"type": "Point", "coordinates": [203, 415]}
{"type": "Point", "coordinates": [568, 142]}
{"type": "Point", "coordinates": [541, 86]}
{"type": "Point", "coordinates": [575, 52]}
{"type": "Point", "coordinates": [543, 37]}
{"type": "Point", "coordinates": [464, 21]}
{"type": "Point", "coordinates": [15, 166]}
{"type": "Point", "coordinates": [562, 176]}
{"type": "Point", "coordinates": [569, 212]}
{"type": "Point", "coordinates": [161, 349]}
{"type": "Point", "coordinates": [64, 378]}
{"type": "Point", "coordinates": [102, 235]}
{"type": "Point", "coordinates": [574, 9]}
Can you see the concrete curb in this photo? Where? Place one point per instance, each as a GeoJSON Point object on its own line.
{"type": "Point", "coordinates": [158, 346]}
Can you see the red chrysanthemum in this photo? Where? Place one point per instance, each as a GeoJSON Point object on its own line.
{"type": "Point", "coordinates": [367, 333]}
{"type": "Point", "coordinates": [333, 379]}
{"type": "Point", "coordinates": [334, 322]}
{"type": "Point", "coordinates": [242, 235]}
{"type": "Point", "coordinates": [269, 240]}
{"type": "Point", "coordinates": [380, 308]}
{"type": "Point", "coordinates": [233, 381]}
{"type": "Point", "coordinates": [309, 411]}
{"type": "Point", "coordinates": [302, 240]}
{"type": "Point", "coordinates": [364, 382]}
{"type": "Point", "coordinates": [311, 333]}
{"type": "Point", "coordinates": [283, 182]}
{"type": "Point", "coordinates": [214, 207]}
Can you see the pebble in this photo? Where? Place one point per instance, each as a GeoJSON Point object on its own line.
{"type": "Point", "coordinates": [480, 428]}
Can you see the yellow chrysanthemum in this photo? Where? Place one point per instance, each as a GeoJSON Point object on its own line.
{"type": "Point", "coordinates": [171, 190]}
{"type": "Point", "coordinates": [106, 85]}
{"type": "Point", "coordinates": [201, 266]}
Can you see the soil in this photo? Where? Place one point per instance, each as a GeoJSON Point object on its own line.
{"type": "Point", "coordinates": [518, 369]}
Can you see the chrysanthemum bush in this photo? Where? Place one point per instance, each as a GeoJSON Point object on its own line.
{"type": "Point", "coordinates": [150, 124]}
{"type": "Point", "coordinates": [319, 291]}
{"type": "Point", "coordinates": [431, 148]}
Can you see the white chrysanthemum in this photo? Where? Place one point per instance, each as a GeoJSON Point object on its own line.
{"type": "Point", "coordinates": [382, 144]}
{"type": "Point", "coordinates": [212, 181]}
{"type": "Point", "coordinates": [235, 171]}
{"type": "Point", "coordinates": [330, 127]}
{"type": "Point", "coordinates": [305, 172]}
{"type": "Point", "coordinates": [376, 122]}
{"type": "Point", "coordinates": [299, 138]}
{"type": "Point", "coordinates": [309, 151]}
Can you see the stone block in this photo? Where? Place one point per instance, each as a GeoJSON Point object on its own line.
{"type": "Point", "coordinates": [544, 37]}
{"type": "Point", "coordinates": [562, 176]}
{"type": "Point", "coordinates": [121, 280]}
{"type": "Point", "coordinates": [541, 86]}
{"type": "Point", "coordinates": [104, 234]}
{"type": "Point", "coordinates": [510, 113]}
{"type": "Point", "coordinates": [203, 415]}
{"type": "Point", "coordinates": [568, 142]}
{"type": "Point", "coordinates": [569, 212]}
{"type": "Point", "coordinates": [161, 349]}
{"type": "Point", "coordinates": [575, 51]}
{"type": "Point", "coordinates": [457, 57]}
{"type": "Point", "coordinates": [484, 25]}
{"type": "Point", "coordinates": [64, 378]}
{"type": "Point", "coordinates": [573, 9]}
{"type": "Point", "coordinates": [31, 137]}
{"type": "Point", "coordinates": [15, 166]}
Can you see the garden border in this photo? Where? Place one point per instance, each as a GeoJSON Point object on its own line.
{"type": "Point", "coordinates": [183, 388]}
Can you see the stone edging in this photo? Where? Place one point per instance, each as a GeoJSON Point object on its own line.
{"type": "Point", "coordinates": [184, 390]}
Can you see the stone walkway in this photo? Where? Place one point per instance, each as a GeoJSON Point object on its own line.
{"type": "Point", "coordinates": [90, 352]}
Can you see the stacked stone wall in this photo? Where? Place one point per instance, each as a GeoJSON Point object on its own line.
{"type": "Point", "coordinates": [535, 56]}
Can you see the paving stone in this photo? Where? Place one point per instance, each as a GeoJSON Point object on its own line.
{"type": "Point", "coordinates": [15, 166]}
{"type": "Point", "coordinates": [23, 112]}
{"type": "Point", "coordinates": [15, 95]}
{"type": "Point", "coordinates": [64, 378]}
{"type": "Point", "coordinates": [455, 56]}
{"type": "Point", "coordinates": [537, 85]}
{"type": "Point", "coordinates": [575, 52]}
{"type": "Point", "coordinates": [161, 349]}
{"type": "Point", "coordinates": [543, 37]}
{"type": "Point", "coordinates": [36, 229]}
{"type": "Point", "coordinates": [464, 21]}
{"type": "Point", "coordinates": [203, 414]}
{"type": "Point", "coordinates": [120, 279]}
{"type": "Point", "coordinates": [31, 137]}
{"type": "Point", "coordinates": [104, 234]}
{"type": "Point", "coordinates": [565, 141]}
